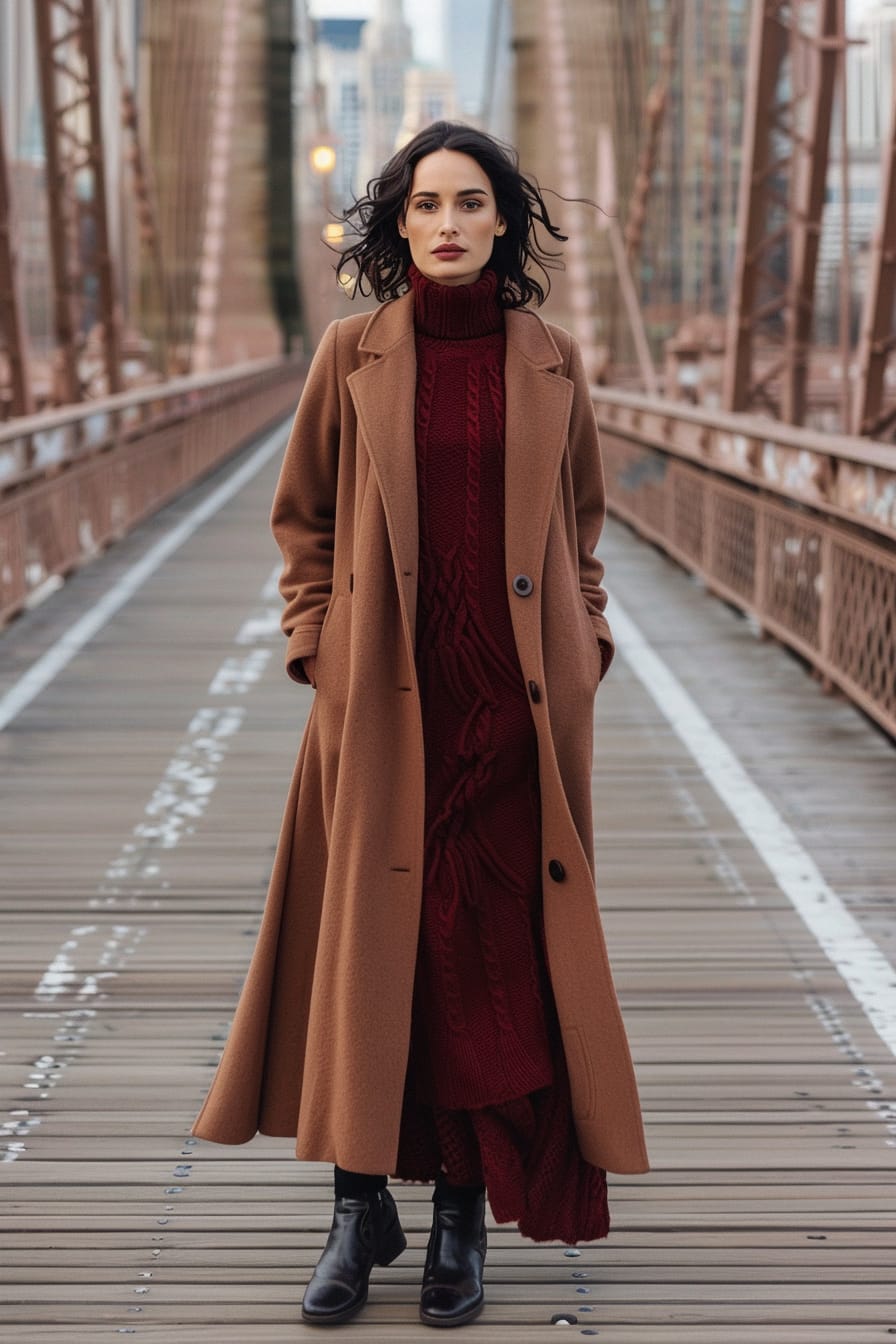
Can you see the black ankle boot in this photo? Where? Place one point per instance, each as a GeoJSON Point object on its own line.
{"type": "Point", "coordinates": [365, 1232]}
{"type": "Point", "coordinates": [452, 1279]}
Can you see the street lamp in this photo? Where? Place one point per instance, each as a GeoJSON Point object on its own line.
{"type": "Point", "coordinates": [322, 226]}
{"type": "Point", "coordinates": [323, 158]}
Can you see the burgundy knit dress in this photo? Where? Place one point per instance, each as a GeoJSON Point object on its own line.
{"type": "Point", "coordinates": [487, 1095]}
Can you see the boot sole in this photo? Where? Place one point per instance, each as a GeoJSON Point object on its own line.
{"type": "Point", "coordinates": [446, 1323]}
{"type": "Point", "coordinates": [336, 1317]}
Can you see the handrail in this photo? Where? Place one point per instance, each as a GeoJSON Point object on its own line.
{"type": "Point", "coordinates": [793, 526]}
{"type": "Point", "coordinates": [35, 447]}
{"type": "Point", "coordinates": [74, 480]}
{"type": "Point", "coordinates": [846, 476]}
{"type": "Point", "coordinates": [27, 425]}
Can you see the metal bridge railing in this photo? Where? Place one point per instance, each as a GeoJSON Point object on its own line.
{"type": "Point", "coordinates": [75, 479]}
{"type": "Point", "coordinates": [795, 527]}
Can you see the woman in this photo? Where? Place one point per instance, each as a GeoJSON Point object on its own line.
{"type": "Point", "coordinates": [430, 996]}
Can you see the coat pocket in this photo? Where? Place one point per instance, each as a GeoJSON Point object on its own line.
{"type": "Point", "coordinates": [332, 646]}
{"type": "Point", "coordinates": [592, 645]}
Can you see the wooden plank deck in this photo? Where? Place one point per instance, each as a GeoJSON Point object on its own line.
{"type": "Point", "coordinates": [141, 794]}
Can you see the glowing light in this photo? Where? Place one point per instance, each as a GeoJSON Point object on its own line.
{"type": "Point", "coordinates": [323, 158]}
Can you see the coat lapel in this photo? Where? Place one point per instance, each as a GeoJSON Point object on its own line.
{"type": "Point", "coordinates": [538, 403]}
{"type": "Point", "coordinates": [383, 392]}
{"type": "Point", "coordinates": [537, 422]}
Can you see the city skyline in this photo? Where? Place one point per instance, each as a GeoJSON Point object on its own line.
{"type": "Point", "coordinates": [423, 16]}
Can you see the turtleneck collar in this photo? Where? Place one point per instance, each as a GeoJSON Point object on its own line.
{"type": "Point", "coordinates": [456, 312]}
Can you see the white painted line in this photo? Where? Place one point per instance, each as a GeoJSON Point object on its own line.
{"type": "Point", "coordinates": [42, 672]}
{"type": "Point", "coordinates": [94, 954]}
{"type": "Point", "coordinates": [857, 958]}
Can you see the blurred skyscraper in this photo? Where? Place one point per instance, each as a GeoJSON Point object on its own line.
{"type": "Point", "coordinates": [870, 75]}
{"type": "Point", "coordinates": [339, 71]}
{"type": "Point", "coordinates": [466, 45]}
{"type": "Point", "coordinates": [429, 95]}
{"type": "Point", "coordinates": [477, 43]}
{"type": "Point", "coordinates": [386, 53]}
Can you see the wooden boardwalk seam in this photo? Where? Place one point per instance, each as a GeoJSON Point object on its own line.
{"type": "Point", "coordinates": [141, 795]}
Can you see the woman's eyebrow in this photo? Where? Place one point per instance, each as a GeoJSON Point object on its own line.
{"type": "Point", "coordinates": [434, 195]}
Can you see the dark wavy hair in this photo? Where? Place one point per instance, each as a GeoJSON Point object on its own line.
{"type": "Point", "coordinates": [382, 257]}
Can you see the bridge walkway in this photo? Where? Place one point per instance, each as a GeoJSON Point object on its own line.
{"type": "Point", "coordinates": [744, 824]}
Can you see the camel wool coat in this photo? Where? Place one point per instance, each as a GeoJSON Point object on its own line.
{"type": "Point", "coordinates": [319, 1045]}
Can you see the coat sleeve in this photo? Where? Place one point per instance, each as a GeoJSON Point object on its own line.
{"type": "Point", "coordinates": [590, 501]}
{"type": "Point", "coordinates": [303, 517]}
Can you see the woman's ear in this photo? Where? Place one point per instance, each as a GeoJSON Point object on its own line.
{"type": "Point", "coordinates": [500, 227]}
{"type": "Point", "coordinates": [401, 226]}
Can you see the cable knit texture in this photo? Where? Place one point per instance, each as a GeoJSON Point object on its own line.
{"type": "Point", "coordinates": [487, 1095]}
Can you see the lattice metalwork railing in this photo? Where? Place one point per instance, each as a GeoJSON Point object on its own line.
{"type": "Point", "coordinates": [76, 479]}
{"type": "Point", "coordinates": [820, 584]}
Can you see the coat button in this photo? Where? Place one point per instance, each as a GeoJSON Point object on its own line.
{"type": "Point", "coordinates": [556, 870]}
{"type": "Point", "coordinates": [523, 585]}
{"type": "Point", "coordinates": [534, 692]}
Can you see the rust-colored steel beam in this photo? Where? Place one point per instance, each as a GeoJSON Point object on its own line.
{"type": "Point", "coordinates": [208, 289]}
{"type": "Point", "coordinates": [794, 45]}
{"type": "Point", "coordinates": [606, 176]}
{"type": "Point", "coordinates": [767, 48]}
{"type": "Point", "coordinates": [146, 206]}
{"type": "Point", "coordinates": [807, 196]}
{"type": "Point", "coordinates": [12, 327]}
{"type": "Point", "coordinates": [876, 336]}
{"type": "Point", "coordinates": [648, 158]}
{"type": "Point", "coordinates": [76, 190]}
{"type": "Point", "coordinates": [559, 78]}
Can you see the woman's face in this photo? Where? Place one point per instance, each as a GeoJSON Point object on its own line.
{"type": "Point", "coordinates": [450, 218]}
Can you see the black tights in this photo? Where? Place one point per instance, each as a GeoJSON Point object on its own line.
{"type": "Point", "coordinates": [358, 1185]}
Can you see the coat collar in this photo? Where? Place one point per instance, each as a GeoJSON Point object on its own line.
{"type": "Point", "coordinates": [538, 401]}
